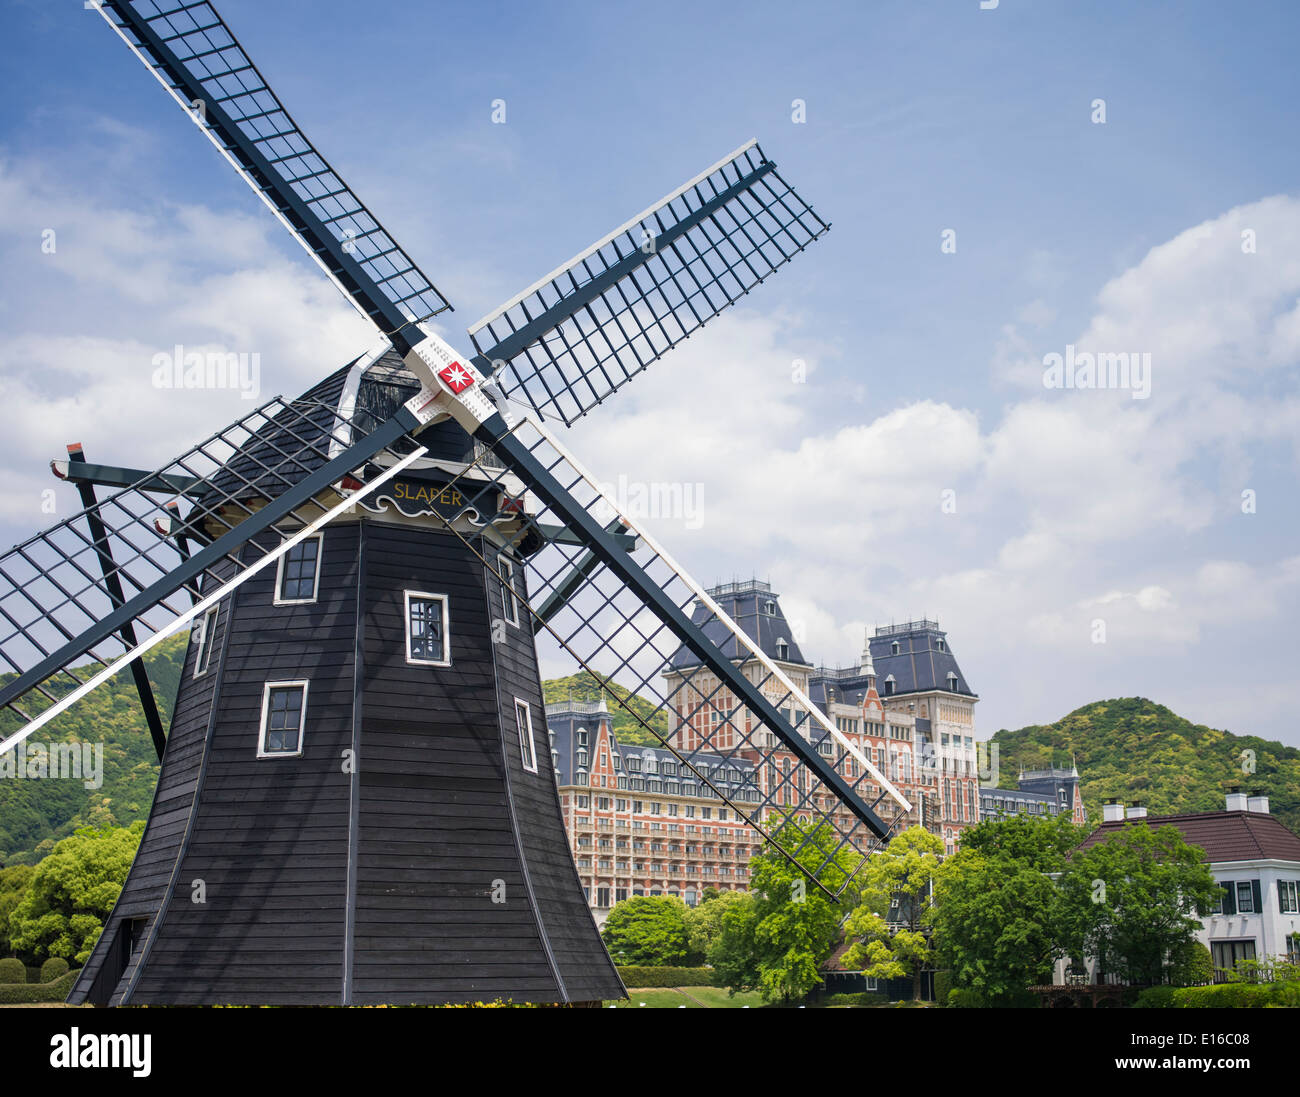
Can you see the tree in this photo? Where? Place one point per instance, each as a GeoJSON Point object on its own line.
{"type": "Point", "coordinates": [1041, 843]}
{"type": "Point", "coordinates": [14, 882]}
{"type": "Point", "coordinates": [648, 930]}
{"type": "Point", "coordinates": [777, 941]}
{"type": "Point", "coordinates": [72, 892]}
{"type": "Point", "coordinates": [999, 915]}
{"type": "Point", "coordinates": [998, 925]}
{"type": "Point", "coordinates": [890, 929]}
{"type": "Point", "coordinates": [704, 922]}
{"type": "Point", "coordinates": [1132, 900]}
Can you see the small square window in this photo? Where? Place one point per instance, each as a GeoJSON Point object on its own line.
{"type": "Point", "coordinates": [524, 724]}
{"type": "Point", "coordinates": [298, 576]}
{"type": "Point", "coordinates": [427, 629]}
{"type": "Point", "coordinates": [509, 600]}
{"type": "Point", "coordinates": [284, 707]}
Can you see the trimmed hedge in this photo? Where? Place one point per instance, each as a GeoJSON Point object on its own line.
{"type": "Point", "coordinates": [965, 998]}
{"type": "Point", "coordinates": [867, 998]}
{"type": "Point", "coordinates": [647, 977]}
{"type": "Point", "coordinates": [17, 994]}
{"type": "Point", "coordinates": [56, 967]}
{"type": "Point", "coordinates": [13, 972]}
{"type": "Point", "coordinates": [1156, 998]}
{"type": "Point", "coordinates": [1236, 996]}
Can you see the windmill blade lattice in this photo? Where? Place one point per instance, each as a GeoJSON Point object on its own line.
{"type": "Point", "coordinates": [78, 598]}
{"type": "Point", "coordinates": [192, 52]}
{"type": "Point", "coordinates": [582, 332]}
{"type": "Point", "coordinates": [740, 729]}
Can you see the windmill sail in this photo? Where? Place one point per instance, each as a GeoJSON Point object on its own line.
{"type": "Point", "coordinates": [88, 595]}
{"type": "Point", "coordinates": [192, 52]}
{"type": "Point", "coordinates": [583, 331]}
{"type": "Point", "coordinates": [740, 728]}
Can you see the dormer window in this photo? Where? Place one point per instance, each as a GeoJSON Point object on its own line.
{"type": "Point", "coordinates": [895, 648]}
{"type": "Point", "coordinates": [952, 681]}
{"type": "Point", "coordinates": [782, 649]}
{"type": "Point", "coordinates": [890, 684]}
{"type": "Point", "coordinates": [769, 607]}
{"type": "Point", "coordinates": [940, 644]}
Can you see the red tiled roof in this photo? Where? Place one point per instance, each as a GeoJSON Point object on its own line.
{"type": "Point", "coordinates": [1224, 835]}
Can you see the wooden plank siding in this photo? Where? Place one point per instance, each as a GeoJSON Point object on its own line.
{"type": "Point", "coordinates": [378, 885]}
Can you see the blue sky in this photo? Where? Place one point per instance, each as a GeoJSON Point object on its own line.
{"type": "Point", "coordinates": [925, 367]}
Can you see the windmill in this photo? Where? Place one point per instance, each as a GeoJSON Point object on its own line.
{"type": "Point", "coordinates": [355, 803]}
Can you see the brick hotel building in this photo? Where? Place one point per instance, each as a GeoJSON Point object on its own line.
{"type": "Point", "coordinates": [639, 826]}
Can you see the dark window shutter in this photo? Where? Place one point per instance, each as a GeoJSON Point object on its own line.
{"type": "Point", "coordinates": [1229, 897]}
{"type": "Point", "coordinates": [1259, 905]}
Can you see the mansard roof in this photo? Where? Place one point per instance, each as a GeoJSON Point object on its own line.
{"type": "Point", "coordinates": [753, 606]}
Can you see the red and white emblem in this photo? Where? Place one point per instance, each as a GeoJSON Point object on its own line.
{"type": "Point", "coordinates": [456, 377]}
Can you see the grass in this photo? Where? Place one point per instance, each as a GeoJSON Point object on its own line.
{"type": "Point", "coordinates": [689, 997]}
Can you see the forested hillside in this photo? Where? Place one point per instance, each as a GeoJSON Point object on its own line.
{"type": "Point", "coordinates": [1135, 749]}
{"type": "Point", "coordinates": [584, 687]}
{"type": "Point", "coordinates": [36, 813]}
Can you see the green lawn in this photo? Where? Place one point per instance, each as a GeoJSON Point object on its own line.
{"type": "Point", "coordinates": [690, 997]}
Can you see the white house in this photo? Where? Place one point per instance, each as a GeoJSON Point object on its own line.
{"type": "Point", "coordinates": [1254, 858]}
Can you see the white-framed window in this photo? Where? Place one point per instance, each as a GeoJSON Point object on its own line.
{"type": "Point", "coordinates": [509, 600]}
{"type": "Point", "coordinates": [428, 629]}
{"type": "Point", "coordinates": [524, 724]}
{"type": "Point", "coordinates": [1245, 898]}
{"type": "Point", "coordinates": [297, 575]}
{"type": "Point", "coordinates": [1288, 896]}
{"type": "Point", "coordinates": [284, 714]}
{"type": "Point", "coordinates": [204, 639]}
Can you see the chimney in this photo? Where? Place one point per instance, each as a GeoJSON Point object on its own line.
{"type": "Point", "coordinates": [1112, 811]}
{"type": "Point", "coordinates": [1257, 801]}
{"type": "Point", "coordinates": [1137, 810]}
{"type": "Point", "coordinates": [1236, 799]}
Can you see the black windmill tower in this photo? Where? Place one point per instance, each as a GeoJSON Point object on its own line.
{"type": "Point", "coordinates": [356, 802]}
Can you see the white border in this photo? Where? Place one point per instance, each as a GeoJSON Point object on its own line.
{"type": "Point", "coordinates": [446, 628]}
{"type": "Point", "coordinates": [315, 579]}
{"type": "Point", "coordinates": [262, 752]}
{"type": "Point", "coordinates": [532, 742]}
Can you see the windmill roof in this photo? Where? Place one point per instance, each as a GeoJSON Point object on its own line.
{"type": "Point", "coordinates": [1224, 835]}
{"type": "Point", "coordinates": [295, 442]}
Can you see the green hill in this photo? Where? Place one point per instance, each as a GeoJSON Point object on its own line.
{"type": "Point", "coordinates": [584, 686]}
{"type": "Point", "coordinates": [34, 814]}
{"type": "Point", "coordinates": [1134, 749]}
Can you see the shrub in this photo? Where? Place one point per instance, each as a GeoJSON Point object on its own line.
{"type": "Point", "coordinates": [942, 985]}
{"type": "Point", "coordinates": [56, 967]}
{"type": "Point", "coordinates": [12, 971]}
{"type": "Point", "coordinates": [965, 998]}
{"type": "Point", "coordinates": [647, 977]}
{"type": "Point", "coordinates": [1155, 998]}
{"type": "Point", "coordinates": [867, 998]}
{"type": "Point", "coordinates": [1237, 996]}
{"type": "Point", "coordinates": [17, 994]}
